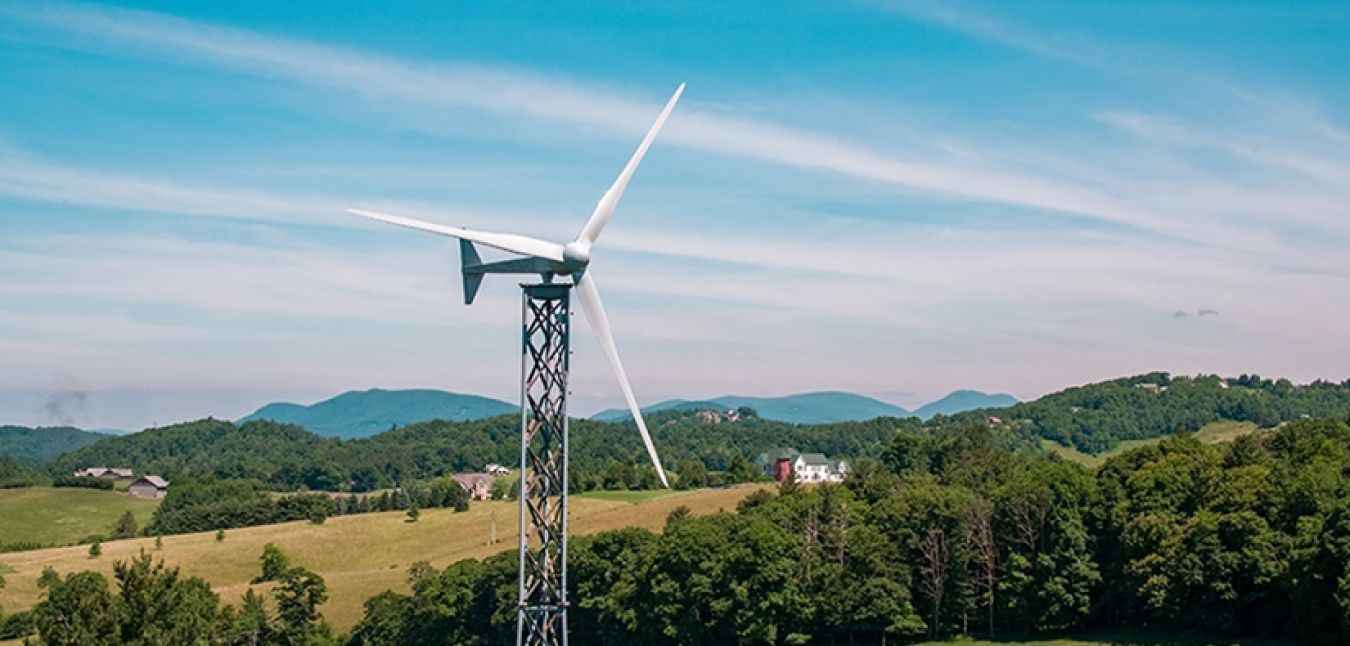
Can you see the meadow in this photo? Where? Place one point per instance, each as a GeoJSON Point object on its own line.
{"type": "Point", "coordinates": [1214, 433]}
{"type": "Point", "coordinates": [358, 556]}
{"type": "Point", "coordinates": [64, 516]}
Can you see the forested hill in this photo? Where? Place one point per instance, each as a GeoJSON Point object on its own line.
{"type": "Point", "coordinates": [17, 474]}
{"type": "Point", "coordinates": [1096, 417]}
{"type": "Point", "coordinates": [33, 446]}
{"type": "Point", "coordinates": [365, 413]}
{"type": "Point", "coordinates": [264, 450]}
{"type": "Point", "coordinates": [287, 457]}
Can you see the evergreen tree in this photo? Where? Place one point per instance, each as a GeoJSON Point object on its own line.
{"type": "Point", "coordinates": [125, 527]}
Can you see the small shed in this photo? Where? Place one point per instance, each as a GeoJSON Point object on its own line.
{"type": "Point", "coordinates": [149, 487]}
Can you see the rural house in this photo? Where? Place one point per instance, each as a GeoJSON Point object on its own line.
{"type": "Point", "coordinates": [780, 464]}
{"type": "Point", "coordinates": [479, 485]}
{"type": "Point", "coordinates": [149, 487]}
{"type": "Point", "coordinates": [107, 473]}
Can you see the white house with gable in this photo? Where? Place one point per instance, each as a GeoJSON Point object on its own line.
{"type": "Point", "coordinates": [802, 467]}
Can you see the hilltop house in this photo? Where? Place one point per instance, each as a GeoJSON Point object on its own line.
{"type": "Point", "coordinates": [107, 473]}
{"type": "Point", "coordinates": [781, 464]}
{"type": "Point", "coordinates": [149, 487]}
{"type": "Point", "coordinates": [717, 417]}
{"type": "Point", "coordinates": [479, 485]}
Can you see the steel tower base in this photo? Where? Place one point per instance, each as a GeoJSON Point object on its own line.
{"type": "Point", "coordinates": [542, 616]}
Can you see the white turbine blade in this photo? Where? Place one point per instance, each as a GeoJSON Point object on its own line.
{"type": "Point", "coordinates": [605, 209]}
{"type": "Point", "coordinates": [595, 313]}
{"type": "Point", "coordinates": [504, 241]}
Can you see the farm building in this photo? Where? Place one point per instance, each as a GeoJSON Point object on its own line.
{"type": "Point", "coordinates": [149, 487]}
{"type": "Point", "coordinates": [780, 464]}
{"type": "Point", "coordinates": [107, 473]}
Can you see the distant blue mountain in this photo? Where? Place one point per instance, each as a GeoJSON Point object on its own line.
{"type": "Point", "coordinates": [963, 400]}
{"type": "Point", "coordinates": [806, 408]}
{"type": "Point", "coordinates": [365, 413]}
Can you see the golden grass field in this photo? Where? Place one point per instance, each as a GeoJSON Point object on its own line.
{"type": "Point", "coordinates": [359, 556]}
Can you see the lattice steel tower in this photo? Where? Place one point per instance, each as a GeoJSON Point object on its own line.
{"type": "Point", "coordinates": [542, 616]}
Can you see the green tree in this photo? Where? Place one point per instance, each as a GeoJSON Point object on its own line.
{"type": "Point", "coordinates": [125, 527]}
{"type": "Point", "coordinates": [299, 596]}
{"type": "Point", "coordinates": [254, 620]}
{"type": "Point", "coordinates": [741, 470]}
{"type": "Point", "coordinates": [274, 564]}
{"type": "Point", "coordinates": [95, 549]}
{"type": "Point", "coordinates": [160, 608]}
{"type": "Point", "coordinates": [414, 514]}
{"type": "Point", "coordinates": [78, 610]}
{"type": "Point", "coordinates": [692, 474]}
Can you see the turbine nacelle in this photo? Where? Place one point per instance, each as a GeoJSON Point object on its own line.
{"type": "Point", "coordinates": [576, 256]}
{"type": "Point", "coordinates": [549, 259]}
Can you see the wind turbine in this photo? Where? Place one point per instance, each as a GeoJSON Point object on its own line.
{"type": "Point", "coordinates": [550, 259]}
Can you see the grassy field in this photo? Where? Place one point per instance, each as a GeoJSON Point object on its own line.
{"type": "Point", "coordinates": [64, 516]}
{"type": "Point", "coordinates": [1215, 433]}
{"type": "Point", "coordinates": [359, 556]}
{"type": "Point", "coordinates": [631, 497]}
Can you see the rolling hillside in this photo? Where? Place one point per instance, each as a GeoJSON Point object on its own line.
{"type": "Point", "coordinates": [359, 414]}
{"type": "Point", "coordinates": [341, 550]}
{"type": "Point", "coordinates": [34, 446]}
{"type": "Point", "coordinates": [64, 516]}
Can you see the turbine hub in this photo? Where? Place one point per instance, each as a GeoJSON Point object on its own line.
{"type": "Point", "coordinates": [576, 256]}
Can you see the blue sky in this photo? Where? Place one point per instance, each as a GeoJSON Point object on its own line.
{"type": "Point", "coordinates": [892, 198]}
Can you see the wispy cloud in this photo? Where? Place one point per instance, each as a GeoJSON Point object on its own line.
{"type": "Point", "coordinates": [382, 80]}
{"type": "Point", "coordinates": [1066, 46]}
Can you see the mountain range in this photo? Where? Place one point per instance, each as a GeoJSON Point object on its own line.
{"type": "Point", "coordinates": [961, 401]}
{"type": "Point", "coordinates": [365, 413]}
{"type": "Point", "coordinates": [825, 407]}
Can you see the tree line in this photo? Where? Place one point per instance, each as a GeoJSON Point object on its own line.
{"type": "Point", "coordinates": [195, 505]}
{"type": "Point", "coordinates": [154, 605]}
{"type": "Point", "coordinates": [604, 455]}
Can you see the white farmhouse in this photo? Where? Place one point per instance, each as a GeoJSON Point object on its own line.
{"type": "Point", "coordinates": [779, 464]}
